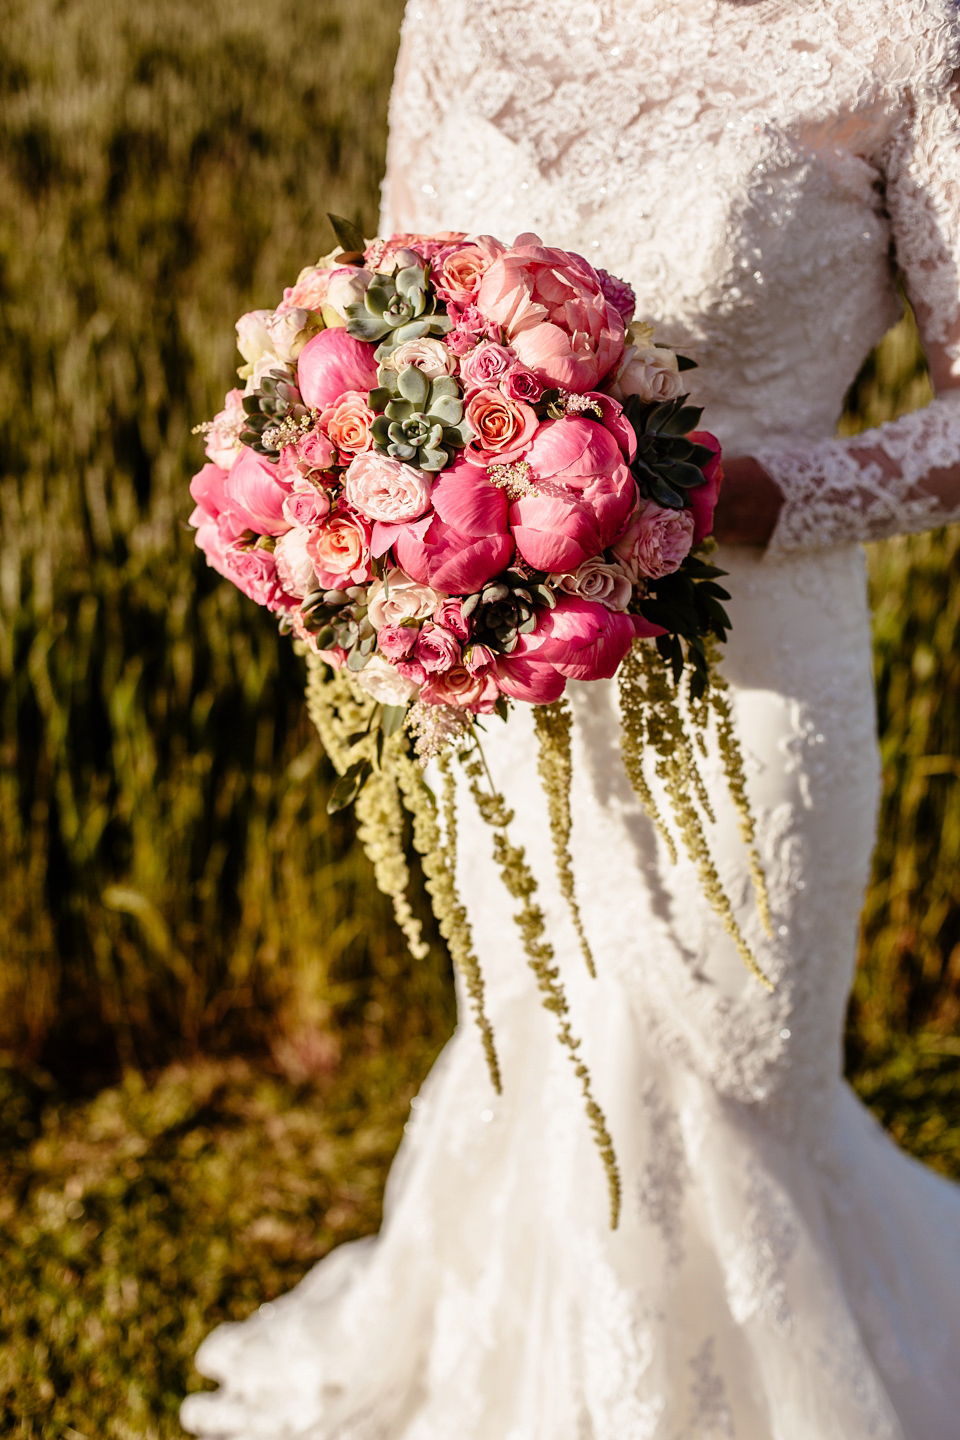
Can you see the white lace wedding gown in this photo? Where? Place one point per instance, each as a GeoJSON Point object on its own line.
{"type": "Point", "coordinates": [781, 1271]}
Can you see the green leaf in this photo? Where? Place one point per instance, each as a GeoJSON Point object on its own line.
{"type": "Point", "coordinates": [391, 718]}
{"type": "Point", "coordinates": [347, 233]}
{"type": "Point", "coordinates": [687, 418]}
{"type": "Point", "coordinates": [349, 785]}
{"type": "Point", "coordinates": [679, 473]}
{"type": "Point", "coordinates": [685, 363]}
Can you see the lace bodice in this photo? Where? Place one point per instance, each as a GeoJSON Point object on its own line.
{"type": "Point", "coordinates": [751, 168]}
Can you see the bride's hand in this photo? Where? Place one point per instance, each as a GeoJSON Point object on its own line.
{"type": "Point", "coordinates": [748, 506]}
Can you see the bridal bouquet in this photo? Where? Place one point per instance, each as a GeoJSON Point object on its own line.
{"type": "Point", "coordinates": [461, 474]}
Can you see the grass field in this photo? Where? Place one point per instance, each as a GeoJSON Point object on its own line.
{"type": "Point", "coordinates": [206, 1064]}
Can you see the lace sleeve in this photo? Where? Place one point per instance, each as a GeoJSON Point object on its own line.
{"type": "Point", "coordinates": [904, 476]}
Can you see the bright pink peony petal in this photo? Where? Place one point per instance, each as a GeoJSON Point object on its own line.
{"type": "Point", "coordinates": [332, 363]}
{"type": "Point", "coordinates": [255, 492]}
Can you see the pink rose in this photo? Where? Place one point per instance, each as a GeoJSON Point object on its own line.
{"type": "Point", "coordinates": [474, 690]}
{"type": "Point", "coordinates": [307, 504]}
{"type": "Point", "coordinates": [555, 315]}
{"type": "Point", "coordinates": [385, 489]}
{"type": "Point", "coordinates": [348, 423]}
{"type": "Point", "coordinates": [703, 499]}
{"type": "Point", "coordinates": [255, 493]}
{"type": "Point", "coordinates": [311, 454]}
{"type": "Point", "coordinates": [332, 363]}
{"type": "Point", "coordinates": [222, 442]}
{"type": "Point", "coordinates": [502, 428]}
{"type": "Point", "coordinates": [619, 293]}
{"type": "Point", "coordinates": [340, 551]}
{"type": "Point", "coordinates": [521, 384]}
{"type": "Point", "coordinates": [310, 291]}
{"type": "Point", "coordinates": [486, 365]}
{"type": "Point", "coordinates": [255, 573]}
{"type": "Point", "coordinates": [609, 585]}
{"type": "Point", "coordinates": [411, 670]}
{"type": "Point", "coordinates": [583, 496]}
{"type": "Point", "coordinates": [457, 279]}
{"type": "Point", "coordinates": [294, 565]}
{"type": "Point", "coordinates": [479, 657]}
{"type": "Point", "coordinates": [436, 648]}
{"type": "Point", "coordinates": [450, 616]}
{"type": "Point", "coordinates": [655, 542]}
{"type": "Point", "coordinates": [469, 328]}
{"type": "Point", "coordinates": [467, 542]}
{"type": "Point", "coordinates": [395, 642]}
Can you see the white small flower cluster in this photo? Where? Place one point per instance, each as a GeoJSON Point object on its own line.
{"type": "Point", "coordinates": [436, 728]}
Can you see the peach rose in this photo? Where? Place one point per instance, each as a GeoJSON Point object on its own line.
{"type": "Point", "coordinates": [476, 690]}
{"type": "Point", "coordinates": [385, 489]}
{"type": "Point", "coordinates": [348, 423]}
{"type": "Point", "coordinates": [340, 551]}
{"type": "Point", "coordinates": [457, 279]}
{"type": "Point", "coordinates": [501, 427]}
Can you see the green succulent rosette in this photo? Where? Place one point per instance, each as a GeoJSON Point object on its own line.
{"type": "Point", "coordinates": [397, 308]}
{"type": "Point", "coordinates": [422, 420]}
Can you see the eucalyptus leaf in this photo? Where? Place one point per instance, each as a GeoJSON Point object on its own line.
{"type": "Point", "coordinates": [349, 785]}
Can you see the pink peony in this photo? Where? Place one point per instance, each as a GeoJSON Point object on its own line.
{"type": "Point", "coordinates": [582, 639]}
{"type": "Point", "coordinates": [502, 428]}
{"type": "Point", "coordinates": [486, 365]}
{"type": "Point", "coordinates": [332, 363]}
{"type": "Point", "coordinates": [387, 490]}
{"type": "Point", "coordinates": [582, 496]}
{"type": "Point", "coordinates": [467, 542]}
{"type": "Point", "coordinates": [348, 424]}
{"type": "Point", "coordinates": [255, 493]}
{"type": "Point", "coordinates": [340, 551]}
{"type": "Point", "coordinates": [552, 308]}
{"type": "Point", "coordinates": [436, 648]}
{"type": "Point", "coordinates": [655, 542]}
{"type": "Point", "coordinates": [703, 499]}
{"type": "Point", "coordinates": [395, 642]}
{"type": "Point", "coordinates": [457, 278]}
{"type": "Point", "coordinates": [522, 677]}
{"type": "Point", "coordinates": [476, 690]}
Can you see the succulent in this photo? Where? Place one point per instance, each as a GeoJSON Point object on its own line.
{"type": "Point", "coordinates": [422, 420]}
{"type": "Point", "coordinates": [505, 609]}
{"type": "Point", "coordinates": [339, 617]}
{"type": "Point", "coordinates": [666, 463]}
{"type": "Point", "coordinates": [275, 413]}
{"type": "Point", "coordinates": [400, 307]}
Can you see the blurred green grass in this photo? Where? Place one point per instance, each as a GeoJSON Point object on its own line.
{"type": "Point", "coordinates": [209, 1026]}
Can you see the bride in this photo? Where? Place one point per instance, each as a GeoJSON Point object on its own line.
{"type": "Point", "coordinates": [760, 170]}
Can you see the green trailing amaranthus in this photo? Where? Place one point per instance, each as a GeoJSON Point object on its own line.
{"type": "Point", "coordinates": [553, 724]}
{"type": "Point", "coordinates": [520, 883]}
{"type": "Point", "coordinates": [651, 714]}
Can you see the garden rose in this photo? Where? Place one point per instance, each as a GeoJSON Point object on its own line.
{"type": "Point", "coordinates": [310, 291]}
{"type": "Point", "coordinates": [655, 542]}
{"type": "Point", "coordinates": [395, 642]}
{"type": "Point", "coordinates": [340, 551]}
{"type": "Point", "coordinates": [289, 331]}
{"type": "Point", "coordinates": [385, 489]}
{"type": "Point", "coordinates": [427, 355]}
{"type": "Point", "coordinates": [521, 384]}
{"type": "Point", "coordinates": [502, 428]}
{"type": "Point", "coordinates": [457, 279]}
{"type": "Point", "coordinates": [255, 492]}
{"type": "Point", "coordinates": [650, 373]}
{"type": "Point", "coordinates": [253, 338]}
{"type": "Point", "coordinates": [331, 363]}
{"type": "Point", "coordinates": [306, 505]}
{"type": "Point", "coordinates": [346, 286]}
{"type": "Point", "coordinates": [555, 315]}
{"type": "Point", "coordinates": [476, 690]}
{"type": "Point", "coordinates": [401, 250]}
{"type": "Point", "coordinates": [348, 424]}
{"type": "Point", "coordinates": [399, 598]}
{"type": "Point", "coordinates": [384, 682]}
{"type": "Point", "coordinates": [583, 496]}
{"type": "Point", "coordinates": [222, 442]}
{"type": "Point", "coordinates": [294, 564]}
{"type": "Point", "coordinates": [450, 616]}
{"type": "Point", "coordinates": [596, 580]}
{"type": "Point", "coordinates": [486, 365]}
{"type": "Point", "coordinates": [436, 648]}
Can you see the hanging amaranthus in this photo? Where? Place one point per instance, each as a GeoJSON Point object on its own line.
{"type": "Point", "coordinates": [553, 724]}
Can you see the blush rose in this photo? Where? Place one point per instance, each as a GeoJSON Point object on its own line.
{"type": "Point", "coordinates": [385, 489]}
{"type": "Point", "coordinates": [340, 551]}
